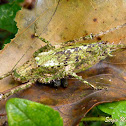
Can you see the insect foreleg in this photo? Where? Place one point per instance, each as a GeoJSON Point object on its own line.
{"type": "Point", "coordinates": [17, 89]}
{"type": "Point", "coordinates": [45, 48]}
{"type": "Point", "coordinates": [44, 40]}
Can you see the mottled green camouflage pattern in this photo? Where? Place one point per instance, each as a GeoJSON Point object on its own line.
{"type": "Point", "coordinates": [48, 66]}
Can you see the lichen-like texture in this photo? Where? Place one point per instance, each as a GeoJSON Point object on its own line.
{"type": "Point", "coordinates": [58, 63]}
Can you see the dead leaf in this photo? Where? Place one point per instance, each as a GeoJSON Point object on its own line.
{"type": "Point", "coordinates": [59, 21]}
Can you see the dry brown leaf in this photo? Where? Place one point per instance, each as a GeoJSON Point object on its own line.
{"type": "Point", "coordinates": [60, 21]}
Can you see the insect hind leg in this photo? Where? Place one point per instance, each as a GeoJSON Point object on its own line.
{"type": "Point", "coordinates": [84, 81]}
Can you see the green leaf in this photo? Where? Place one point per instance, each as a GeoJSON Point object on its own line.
{"type": "Point", "coordinates": [21, 112]}
{"type": "Point", "coordinates": [7, 15]}
{"type": "Point", "coordinates": [117, 110]}
{"type": "Point", "coordinates": [108, 107]}
{"type": "Point", "coordinates": [119, 114]}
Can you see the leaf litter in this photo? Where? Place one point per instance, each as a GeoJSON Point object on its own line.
{"type": "Point", "coordinates": [60, 21]}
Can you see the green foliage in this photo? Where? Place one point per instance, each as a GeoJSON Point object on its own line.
{"type": "Point", "coordinates": [107, 114]}
{"type": "Point", "coordinates": [21, 112]}
{"type": "Point", "coordinates": [95, 117]}
{"type": "Point", "coordinates": [117, 110]}
{"type": "Point", "coordinates": [8, 27]}
{"type": "Point", "coordinates": [108, 107]}
{"type": "Point", "coordinates": [7, 15]}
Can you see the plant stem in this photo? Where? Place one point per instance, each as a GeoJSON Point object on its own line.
{"type": "Point", "coordinates": [94, 119]}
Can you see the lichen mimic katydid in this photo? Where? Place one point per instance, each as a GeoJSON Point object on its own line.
{"type": "Point", "coordinates": [50, 64]}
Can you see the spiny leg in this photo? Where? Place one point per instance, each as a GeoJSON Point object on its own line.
{"type": "Point", "coordinates": [88, 37]}
{"type": "Point", "coordinates": [45, 48]}
{"type": "Point", "coordinates": [91, 36]}
{"type": "Point", "coordinates": [67, 42]}
{"type": "Point", "coordinates": [5, 75]}
{"type": "Point", "coordinates": [5, 95]}
{"type": "Point", "coordinates": [81, 79]}
{"type": "Point", "coordinates": [44, 40]}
